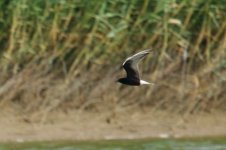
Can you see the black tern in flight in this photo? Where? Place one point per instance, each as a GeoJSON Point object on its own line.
{"type": "Point", "coordinates": [131, 67]}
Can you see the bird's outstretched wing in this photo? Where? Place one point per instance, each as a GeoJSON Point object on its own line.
{"type": "Point", "coordinates": [131, 64]}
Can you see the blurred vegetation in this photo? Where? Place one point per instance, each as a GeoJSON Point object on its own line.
{"type": "Point", "coordinates": [54, 54]}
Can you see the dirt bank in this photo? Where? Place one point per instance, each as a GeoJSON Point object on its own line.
{"type": "Point", "coordinates": [121, 125]}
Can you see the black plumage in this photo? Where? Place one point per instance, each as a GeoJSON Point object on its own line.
{"type": "Point", "coordinates": [131, 67]}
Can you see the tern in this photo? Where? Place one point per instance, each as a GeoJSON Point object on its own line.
{"type": "Point", "coordinates": [131, 67]}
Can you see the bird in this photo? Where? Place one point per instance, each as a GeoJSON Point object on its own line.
{"type": "Point", "coordinates": [131, 67]}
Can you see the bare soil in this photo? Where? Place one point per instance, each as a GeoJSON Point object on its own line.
{"type": "Point", "coordinates": [104, 126]}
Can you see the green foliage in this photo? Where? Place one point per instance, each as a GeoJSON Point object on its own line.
{"type": "Point", "coordinates": [92, 29]}
{"type": "Point", "coordinates": [80, 32]}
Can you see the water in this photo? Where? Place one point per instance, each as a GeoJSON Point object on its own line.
{"type": "Point", "coordinates": [167, 144]}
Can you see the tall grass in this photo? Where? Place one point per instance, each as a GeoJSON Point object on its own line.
{"type": "Point", "coordinates": [49, 49]}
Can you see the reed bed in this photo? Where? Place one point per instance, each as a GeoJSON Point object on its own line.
{"type": "Point", "coordinates": [66, 54]}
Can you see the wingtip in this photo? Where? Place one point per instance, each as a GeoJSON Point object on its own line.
{"type": "Point", "coordinates": [148, 50]}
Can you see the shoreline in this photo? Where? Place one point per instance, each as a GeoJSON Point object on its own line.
{"type": "Point", "coordinates": [97, 126]}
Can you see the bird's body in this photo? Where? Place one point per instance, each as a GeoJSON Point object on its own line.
{"type": "Point", "coordinates": [132, 82]}
{"type": "Point", "coordinates": [131, 67]}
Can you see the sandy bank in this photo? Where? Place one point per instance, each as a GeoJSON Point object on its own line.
{"type": "Point", "coordinates": [94, 126]}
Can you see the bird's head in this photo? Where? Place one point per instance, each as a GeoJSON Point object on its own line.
{"type": "Point", "coordinates": [121, 80]}
{"type": "Point", "coordinates": [118, 80]}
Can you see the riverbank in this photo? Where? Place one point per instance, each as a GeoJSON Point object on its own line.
{"type": "Point", "coordinates": [106, 126]}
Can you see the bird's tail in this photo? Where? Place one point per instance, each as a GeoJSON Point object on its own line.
{"type": "Point", "coordinates": [145, 82]}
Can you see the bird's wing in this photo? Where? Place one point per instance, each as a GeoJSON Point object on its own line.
{"type": "Point", "coordinates": [130, 64]}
